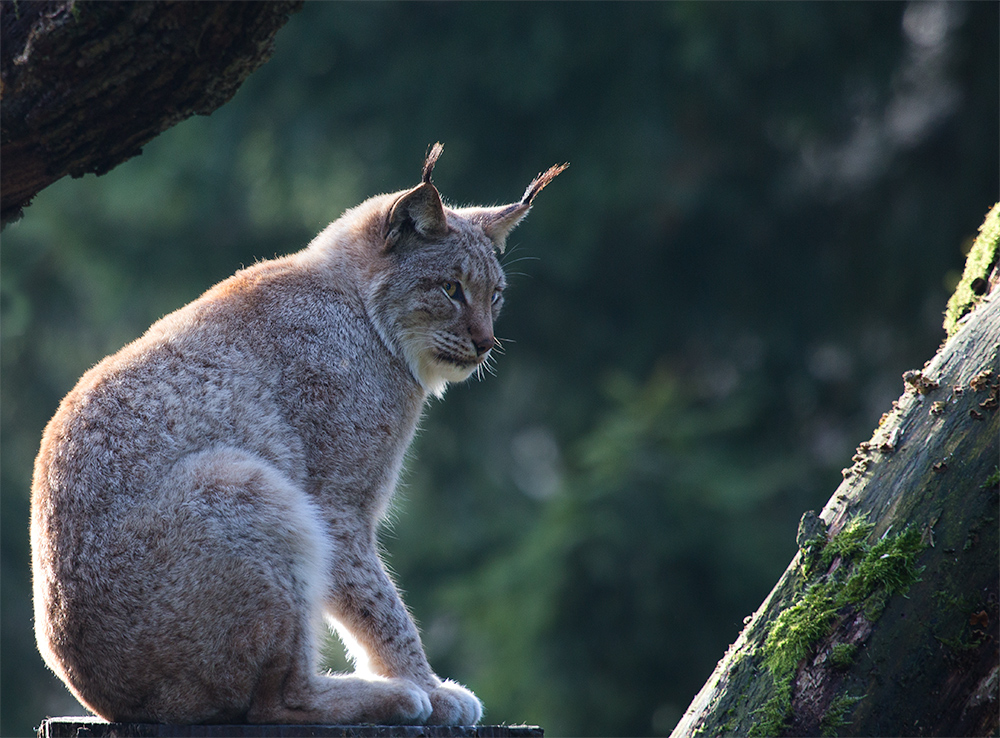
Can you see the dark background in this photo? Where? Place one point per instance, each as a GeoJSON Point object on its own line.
{"type": "Point", "coordinates": [766, 209]}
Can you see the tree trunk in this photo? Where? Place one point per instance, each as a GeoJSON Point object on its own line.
{"type": "Point", "coordinates": [86, 84]}
{"type": "Point", "coordinates": [885, 622]}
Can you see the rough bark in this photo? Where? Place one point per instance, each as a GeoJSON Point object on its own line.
{"type": "Point", "coordinates": [906, 651]}
{"type": "Point", "coordinates": [85, 85]}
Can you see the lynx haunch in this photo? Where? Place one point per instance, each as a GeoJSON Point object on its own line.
{"type": "Point", "coordinates": [205, 497]}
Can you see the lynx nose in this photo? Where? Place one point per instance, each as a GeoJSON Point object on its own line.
{"type": "Point", "coordinates": [483, 344]}
{"type": "Point", "coordinates": [481, 332]}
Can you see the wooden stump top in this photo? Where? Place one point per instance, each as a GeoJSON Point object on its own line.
{"type": "Point", "coordinates": [83, 727]}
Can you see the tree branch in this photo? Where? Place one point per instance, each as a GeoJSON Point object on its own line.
{"type": "Point", "coordinates": [85, 85]}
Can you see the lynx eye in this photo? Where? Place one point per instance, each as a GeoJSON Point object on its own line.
{"type": "Point", "coordinates": [454, 291]}
{"type": "Point", "coordinates": [497, 294]}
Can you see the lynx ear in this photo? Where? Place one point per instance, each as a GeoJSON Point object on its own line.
{"type": "Point", "coordinates": [498, 222]}
{"type": "Point", "coordinates": [419, 208]}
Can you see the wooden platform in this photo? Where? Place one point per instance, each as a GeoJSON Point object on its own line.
{"type": "Point", "coordinates": [82, 727]}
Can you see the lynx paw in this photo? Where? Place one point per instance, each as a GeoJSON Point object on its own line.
{"type": "Point", "coordinates": [405, 704]}
{"type": "Point", "coordinates": [453, 704]}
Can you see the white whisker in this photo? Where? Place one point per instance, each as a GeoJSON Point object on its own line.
{"type": "Point", "coordinates": [499, 347]}
{"type": "Point", "coordinates": [508, 262]}
{"type": "Point", "coordinates": [513, 250]}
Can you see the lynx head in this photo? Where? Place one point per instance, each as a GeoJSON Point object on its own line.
{"type": "Point", "coordinates": [435, 286]}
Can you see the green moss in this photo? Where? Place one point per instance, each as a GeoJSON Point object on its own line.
{"type": "Point", "coordinates": [775, 713]}
{"type": "Point", "coordinates": [869, 575]}
{"type": "Point", "coordinates": [889, 567]}
{"type": "Point", "coordinates": [993, 480]}
{"type": "Point", "coordinates": [730, 725]}
{"type": "Point", "coordinates": [797, 628]}
{"type": "Point", "coordinates": [836, 714]}
{"type": "Point", "coordinates": [962, 643]}
{"type": "Point", "coordinates": [947, 600]}
{"type": "Point", "coordinates": [849, 542]}
{"type": "Point", "coordinates": [982, 256]}
{"type": "Point", "coordinates": [842, 655]}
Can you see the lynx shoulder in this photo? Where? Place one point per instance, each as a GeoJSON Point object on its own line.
{"type": "Point", "coordinates": [205, 498]}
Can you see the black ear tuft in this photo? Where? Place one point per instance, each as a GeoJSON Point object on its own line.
{"type": "Point", "coordinates": [539, 182]}
{"type": "Point", "coordinates": [432, 156]}
{"type": "Point", "coordinates": [498, 222]}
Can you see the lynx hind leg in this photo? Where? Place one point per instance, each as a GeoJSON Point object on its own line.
{"type": "Point", "coordinates": [226, 563]}
{"type": "Point", "coordinates": [270, 521]}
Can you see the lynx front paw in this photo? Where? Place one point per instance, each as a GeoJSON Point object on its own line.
{"type": "Point", "coordinates": [404, 704]}
{"type": "Point", "coordinates": [453, 704]}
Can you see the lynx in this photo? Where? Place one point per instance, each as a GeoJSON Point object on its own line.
{"type": "Point", "coordinates": [206, 497]}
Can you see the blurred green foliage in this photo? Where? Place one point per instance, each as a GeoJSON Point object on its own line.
{"type": "Point", "coordinates": [765, 206]}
